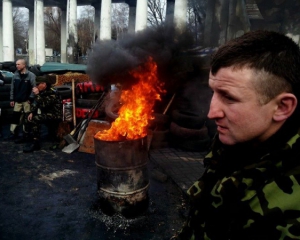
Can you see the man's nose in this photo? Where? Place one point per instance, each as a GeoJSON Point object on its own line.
{"type": "Point", "coordinates": [215, 108]}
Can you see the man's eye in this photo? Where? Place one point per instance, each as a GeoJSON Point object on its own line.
{"type": "Point", "coordinates": [228, 97]}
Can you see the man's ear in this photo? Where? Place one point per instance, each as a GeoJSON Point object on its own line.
{"type": "Point", "coordinates": [286, 105]}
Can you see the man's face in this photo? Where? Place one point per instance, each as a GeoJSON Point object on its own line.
{"type": "Point", "coordinates": [20, 65]}
{"type": "Point", "coordinates": [236, 109]}
{"type": "Point", "coordinates": [42, 86]}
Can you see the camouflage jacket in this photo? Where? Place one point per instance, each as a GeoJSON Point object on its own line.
{"type": "Point", "coordinates": [48, 102]}
{"type": "Point", "coordinates": [248, 193]}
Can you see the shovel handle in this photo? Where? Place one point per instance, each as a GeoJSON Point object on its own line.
{"type": "Point", "coordinates": [90, 117]}
{"type": "Point", "coordinates": [73, 102]}
{"type": "Point", "coordinates": [77, 128]}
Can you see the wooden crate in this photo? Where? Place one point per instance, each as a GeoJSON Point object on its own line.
{"type": "Point", "coordinates": [87, 141]}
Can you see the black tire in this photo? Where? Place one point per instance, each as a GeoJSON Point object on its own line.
{"type": "Point", "coordinates": [86, 103]}
{"type": "Point", "coordinates": [7, 80]}
{"type": "Point", "coordinates": [158, 139]}
{"type": "Point", "coordinates": [87, 88]}
{"type": "Point", "coordinates": [81, 113]}
{"type": "Point", "coordinates": [64, 91]}
{"type": "Point", "coordinates": [36, 69]}
{"type": "Point", "coordinates": [199, 145]}
{"type": "Point", "coordinates": [160, 122]}
{"type": "Point", "coordinates": [12, 68]}
{"type": "Point", "coordinates": [92, 96]}
{"type": "Point", "coordinates": [5, 104]}
{"type": "Point", "coordinates": [6, 115]}
{"type": "Point", "coordinates": [186, 133]}
{"type": "Point", "coordinates": [7, 65]}
{"type": "Point", "coordinates": [159, 136]}
{"type": "Point", "coordinates": [188, 119]}
{"type": "Point", "coordinates": [4, 96]}
{"type": "Point", "coordinates": [5, 88]}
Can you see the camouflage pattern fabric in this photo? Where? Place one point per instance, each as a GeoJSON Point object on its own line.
{"type": "Point", "coordinates": [247, 193]}
{"type": "Point", "coordinates": [50, 106]}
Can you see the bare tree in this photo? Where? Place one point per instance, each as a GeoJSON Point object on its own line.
{"type": "Point", "coordinates": [120, 15]}
{"type": "Point", "coordinates": [20, 26]}
{"type": "Point", "coordinates": [196, 19]}
{"type": "Point", "coordinates": [156, 12]}
{"type": "Point", "coordinates": [85, 28]}
{"type": "Point", "coordinates": [52, 18]}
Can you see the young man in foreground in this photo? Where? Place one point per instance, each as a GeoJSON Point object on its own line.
{"type": "Point", "coordinates": [250, 189]}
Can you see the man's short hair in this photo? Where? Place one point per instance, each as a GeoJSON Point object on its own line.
{"type": "Point", "coordinates": [23, 60]}
{"type": "Point", "coordinates": [274, 57]}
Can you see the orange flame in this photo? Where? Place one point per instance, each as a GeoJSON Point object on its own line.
{"type": "Point", "coordinates": [137, 104]}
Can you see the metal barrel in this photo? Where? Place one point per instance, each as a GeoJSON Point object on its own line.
{"type": "Point", "coordinates": [122, 176]}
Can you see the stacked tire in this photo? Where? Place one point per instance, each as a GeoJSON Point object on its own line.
{"type": "Point", "coordinates": [8, 66]}
{"type": "Point", "coordinates": [6, 109]}
{"type": "Point", "coordinates": [159, 131]}
{"type": "Point", "coordinates": [189, 131]}
{"type": "Point", "coordinates": [190, 128]}
{"type": "Point", "coordinates": [87, 95]}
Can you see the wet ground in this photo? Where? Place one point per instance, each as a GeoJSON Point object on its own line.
{"type": "Point", "coordinates": [53, 195]}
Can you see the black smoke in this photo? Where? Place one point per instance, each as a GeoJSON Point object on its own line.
{"type": "Point", "coordinates": [110, 61]}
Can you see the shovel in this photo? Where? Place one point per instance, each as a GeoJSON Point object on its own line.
{"type": "Point", "coordinates": [74, 144]}
{"type": "Point", "coordinates": [70, 137]}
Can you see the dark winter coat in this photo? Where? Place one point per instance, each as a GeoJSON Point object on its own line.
{"type": "Point", "coordinates": [21, 87]}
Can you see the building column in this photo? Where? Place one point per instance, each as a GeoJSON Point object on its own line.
{"type": "Point", "coordinates": [72, 35]}
{"type": "Point", "coordinates": [31, 49]}
{"type": "Point", "coordinates": [8, 37]}
{"type": "Point", "coordinates": [63, 36]}
{"type": "Point", "coordinates": [180, 13]}
{"type": "Point", "coordinates": [170, 11]}
{"type": "Point", "coordinates": [97, 23]}
{"type": "Point", "coordinates": [1, 38]}
{"type": "Point", "coordinates": [141, 15]}
{"type": "Point", "coordinates": [105, 28]}
{"type": "Point", "coordinates": [39, 32]}
{"type": "Point", "coordinates": [131, 19]}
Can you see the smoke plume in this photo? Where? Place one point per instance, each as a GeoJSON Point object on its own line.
{"type": "Point", "coordinates": [110, 61]}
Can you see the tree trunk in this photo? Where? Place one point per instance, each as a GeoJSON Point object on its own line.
{"type": "Point", "coordinates": [232, 20]}
{"type": "Point", "coordinates": [242, 13]}
{"type": "Point", "coordinates": [224, 21]}
{"type": "Point", "coordinates": [210, 11]}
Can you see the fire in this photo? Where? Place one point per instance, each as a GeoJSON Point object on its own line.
{"type": "Point", "coordinates": [137, 104]}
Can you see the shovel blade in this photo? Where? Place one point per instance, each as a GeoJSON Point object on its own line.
{"type": "Point", "coordinates": [70, 148]}
{"type": "Point", "coordinates": [70, 139]}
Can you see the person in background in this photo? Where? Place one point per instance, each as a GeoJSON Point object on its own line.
{"type": "Point", "coordinates": [21, 96]}
{"type": "Point", "coordinates": [251, 186]}
{"type": "Point", "coordinates": [47, 107]}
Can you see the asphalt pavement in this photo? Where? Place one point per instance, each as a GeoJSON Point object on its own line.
{"type": "Point", "coordinates": [49, 194]}
{"type": "Point", "coordinates": [183, 167]}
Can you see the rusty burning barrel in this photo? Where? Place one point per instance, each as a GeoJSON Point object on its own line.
{"type": "Point", "coordinates": [122, 176]}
